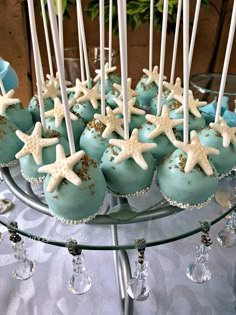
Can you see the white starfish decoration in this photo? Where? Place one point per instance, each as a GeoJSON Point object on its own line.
{"type": "Point", "coordinates": [175, 89]}
{"type": "Point", "coordinates": [111, 122]}
{"type": "Point", "coordinates": [77, 89]}
{"type": "Point", "coordinates": [131, 108]}
{"type": "Point", "coordinates": [58, 111]}
{"type": "Point", "coordinates": [34, 143]}
{"type": "Point", "coordinates": [62, 168]}
{"type": "Point", "coordinates": [153, 76]}
{"type": "Point", "coordinates": [132, 148]}
{"type": "Point", "coordinates": [107, 70]}
{"type": "Point", "coordinates": [7, 100]}
{"type": "Point", "coordinates": [164, 124]}
{"type": "Point", "coordinates": [193, 104]}
{"type": "Point", "coordinates": [130, 92]}
{"type": "Point", "coordinates": [90, 95]}
{"type": "Point", "coordinates": [196, 154]}
{"type": "Point", "coordinates": [56, 79]}
{"type": "Point", "coordinates": [228, 133]}
{"type": "Point", "coordinates": [50, 89]}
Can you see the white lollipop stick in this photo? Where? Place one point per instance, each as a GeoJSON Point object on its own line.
{"type": "Point", "coordinates": [186, 67]}
{"type": "Point", "coordinates": [40, 61]}
{"type": "Point", "coordinates": [162, 59]}
{"type": "Point", "coordinates": [60, 28]}
{"type": "Point", "coordinates": [172, 75]}
{"type": "Point", "coordinates": [151, 34]}
{"type": "Point", "coordinates": [226, 62]}
{"type": "Point", "coordinates": [2, 87]}
{"type": "Point", "coordinates": [102, 57]}
{"type": "Point", "coordinates": [194, 31]}
{"type": "Point", "coordinates": [110, 35]}
{"type": "Point", "coordinates": [81, 54]}
{"type": "Point", "coordinates": [123, 62]}
{"type": "Point", "coordinates": [126, 39]}
{"type": "Point", "coordinates": [81, 23]}
{"type": "Point", "coordinates": [45, 26]}
{"type": "Point", "coordinates": [36, 60]}
{"type": "Point", "coordinates": [61, 74]}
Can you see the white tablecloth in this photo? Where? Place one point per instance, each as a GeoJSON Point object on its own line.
{"type": "Point", "coordinates": [172, 293]}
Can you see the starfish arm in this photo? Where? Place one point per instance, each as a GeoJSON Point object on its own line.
{"type": "Point", "coordinates": [138, 111]}
{"type": "Point", "coordinates": [180, 109]}
{"type": "Point", "coordinates": [13, 101]}
{"type": "Point", "coordinates": [96, 79]}
{"type": "Point", "coordinates": [22, 136]}
{"type": "Point", "coordinates": [167, 85]}
{"type": "Point", "coordinates": [200, 104]}
{"type": "Point", "coordinates": [73, 116]}
{"type": "Point", "coordinates": [206, 166]}
{"type": "Point", "coordinates": [47, 142]}
{"type": "Point", "coordinates": [48, 168]}
{"type": "Point", "coordinates": [2, 109]}
{"type": "Point", "coordinates": [176, 122]}
{"type": "Point", "coordinates": [180, 145]}
{"type": "Point", "coordinates": [73, 178]}
{"type": "Point", "coordinates": [191, 162]}
{"type": "Point", "coordinates": [194, 111]}
{"type": "Point", "coordinates": [139, 159]}
{"type": "Point", "coordinates": [148, 146]}
{"type": "Point", "coordinates": [53, 183]}
{"type": "Point", "coordinates": [23, 152]}
{"type": "Point", "coordinates": [151, 118]}
{"type": "Point", "coordinates": [212, 151]}
{"type": "Point", "coordinates": [82, 99]}
{"type": "Point", "coordinates": [155, 133]}
{"type": "Point", "coordinates": [98, 117]}
{"type": "Point", "coordinates": [121, 157]}
{"type": "Point", "coordinates": [106, 133]}
{"type": "Point", "coordinates": [37, 155]}
{"type": "Point", "coordinates": [146, 71]}
{"type": "Point", "coordinates": [117, 87]}
{"type": "Point", "coordinates": [60, 153]}
{"type": "Point", "coordinates": [171, 95]}
{"type": "Point", "coordinates": [58, 120]}
{"type": "Point", "coordinates": [120, 131]}
{"type": "Point", "coordinates": [116, 142]}
{"type": "Point", "coordinates": [94, 103]}
{"type": "Point", "coordinates": [76, 157]}
{"type": "Point", "coordinates": [170, 135]}
{"type": "Point", "coordinates": [49, 113]}
{"type": "Point", "coordinates": [179, 98]}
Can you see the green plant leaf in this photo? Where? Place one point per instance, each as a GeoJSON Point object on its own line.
{"type": "Point", "coordinates": [64, 6]}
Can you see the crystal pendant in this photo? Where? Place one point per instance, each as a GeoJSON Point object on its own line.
{"type": "Point", "coordinates": [137, 286]}
{"type": "Point", "coordinates": [198, 271]}
{"type": "Point", "coordinates": [227, 236]}
{"type": "Point", "coordinates": [80, 281]}
{"type": "Point", "coordinates": [25, 268]}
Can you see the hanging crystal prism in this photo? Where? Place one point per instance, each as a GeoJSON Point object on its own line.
{"type": "Point", "coordinates": [227, 236]}
{"type": "Point", "coordinates": [25, 268]}
{"type": "Point", "coordinates": [80, 281]}
{"type": "Point", "coordinates": [198, 271]}
{"type": "Point", "coordinates": [138, 288]}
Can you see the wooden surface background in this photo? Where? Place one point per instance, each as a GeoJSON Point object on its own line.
{"type": "Point", "coordinates": [15, 44]}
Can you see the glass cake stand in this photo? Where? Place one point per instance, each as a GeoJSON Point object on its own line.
{"type": "Point", "coordinates": [120, 223]}
{"type": "Point", "coordinates": [206, 86]}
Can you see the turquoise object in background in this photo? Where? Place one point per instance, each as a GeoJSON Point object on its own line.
{"type": "Point", "coordinates": [8, 75]}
